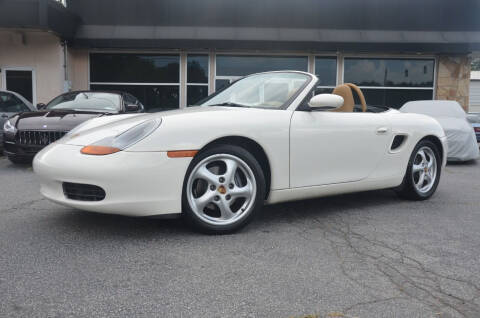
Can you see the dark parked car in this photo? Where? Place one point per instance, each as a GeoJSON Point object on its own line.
{"type": "Point", "coordinates": [10, 104]}
{"type": "Point", "coordinates": [474, 119]}
{"type": "Point", "coordinates": [27, 133]}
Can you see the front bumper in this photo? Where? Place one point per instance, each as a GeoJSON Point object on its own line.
{"type": "Point", "coordinates": [12, 149]}
{"type": "Point", "coordinates": [135, 183]}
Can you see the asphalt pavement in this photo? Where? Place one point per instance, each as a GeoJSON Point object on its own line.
{"type": "Point", "coordinates": [358, 255]}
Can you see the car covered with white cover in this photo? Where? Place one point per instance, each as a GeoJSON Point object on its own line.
{"type": "Point", "coordinates": [462, 142]}
{"type": "Point", "coordinates": [266, 138]}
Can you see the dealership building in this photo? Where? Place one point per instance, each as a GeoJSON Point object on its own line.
{"type": "Point", "coordinates": [171, 53]}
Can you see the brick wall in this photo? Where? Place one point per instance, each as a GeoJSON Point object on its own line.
{"type": "Point", "coordinates": [453, 79]}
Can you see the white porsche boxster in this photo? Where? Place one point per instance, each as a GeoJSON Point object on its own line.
{"type": "Point", "coordinates": [266, 138]}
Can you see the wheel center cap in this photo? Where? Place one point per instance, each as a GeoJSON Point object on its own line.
{"type": "Point", "coordinates": [222, 189]}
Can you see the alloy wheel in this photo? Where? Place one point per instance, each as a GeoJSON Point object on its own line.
{"type": "Point", "coordinates": [424, 170]}
{"type": "Point", "coordinates": [221, 189]}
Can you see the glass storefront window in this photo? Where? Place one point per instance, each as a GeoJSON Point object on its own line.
{"type": "Point", "coordinates": [389, 72]}
{"type": "Point", "coordinates": [232, 67]}
{"type": "Point", "coordinates": [235, 65]}
{"type": "Point", "coordinates": [154, 98]}
{"type": "Point", "coordinates": [326, 71]}
{"type": "Point", "coordinates": [197, 78]}
{"type": "Point", "coordinates": [391, 81]}
{"type": "Point", "coordinates": [395, 98]}
{"type": "Point", "coordinates": [196, 93]}
{"type": "Point", "coordinates": [221, 83]}
{"type": "Point", "coordinates": [197, 69]}
{"type": "Point", "coordinates": [153, 78]}
{"type": "Point", "coordinates": [136, 68]}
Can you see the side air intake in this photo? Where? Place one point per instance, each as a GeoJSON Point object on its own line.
{"type": "Point", "coordinates": [397, 141]}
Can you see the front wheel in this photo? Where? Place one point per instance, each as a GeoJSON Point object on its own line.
{"type": "Point", "coordinates": [423, 172]}
{"type": "Point", "coordinates": [223, 189]}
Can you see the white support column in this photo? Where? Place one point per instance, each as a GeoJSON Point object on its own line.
{"type": "Point", "coordinates": [183, 80]}
{"type": "Point", "coordinates": [311, 63]}
{"type": "Point", "coordinates": [211, 72]}
{"type": "Point", "coordinates": [339, 68]}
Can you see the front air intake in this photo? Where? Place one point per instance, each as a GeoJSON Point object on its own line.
{"type": "Point", "coordinates": [397, 141]}
{"type": "Point", "coordinates": [83, 192]}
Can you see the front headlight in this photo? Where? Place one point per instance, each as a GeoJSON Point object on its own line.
{"type": "Point", "coordinates": [8, 127]}
{"type": "Point", "coordinates": [123, 140]}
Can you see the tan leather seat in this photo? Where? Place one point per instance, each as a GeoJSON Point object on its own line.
{"type": "Point", "coordinates": [345, 90]}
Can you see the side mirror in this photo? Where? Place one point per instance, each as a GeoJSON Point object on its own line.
{"type": "Point", "coordinates": [41, 106]}
{"type": "Point", "coordinates": [326, 100]}
{"type": "Point", "coordinates": [132, 107]}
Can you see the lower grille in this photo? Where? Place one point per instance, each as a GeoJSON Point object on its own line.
{"type": "Point", "coordinates": [83, 192]}
{"type": "Point", "coordinates": [38, 137]}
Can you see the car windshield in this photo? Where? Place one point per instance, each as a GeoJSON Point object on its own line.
{"type": "Point", "coordinates": [266, 90]}
{"type": "Point", "coordinates": [91, 101]}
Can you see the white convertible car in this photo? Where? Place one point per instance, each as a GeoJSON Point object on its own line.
{"type": "Point", "coordinates": [264, 139]}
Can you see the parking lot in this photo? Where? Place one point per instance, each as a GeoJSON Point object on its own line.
{"type": "Point", "coordinates": [359, 255]}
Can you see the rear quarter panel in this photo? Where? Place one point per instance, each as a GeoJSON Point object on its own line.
{"type": "Point", "coordinates": [415, 127]}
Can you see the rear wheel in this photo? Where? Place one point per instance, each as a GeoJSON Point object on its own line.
{"type": "Point", "coordinates": [423, 172]}
{"type": "Point", "coordinates": [223, 189]}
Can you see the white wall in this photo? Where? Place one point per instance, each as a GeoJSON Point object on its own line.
{"type": "Point", "coordinates": [40, 51]}
{"type": "Point", "coordinates": [474, 96]}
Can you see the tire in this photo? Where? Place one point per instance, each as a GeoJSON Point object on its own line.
{"type": "Point", "coordinates": [232, 184]}
{"type": "Point", "coordinates": [20, 160]}
{"type": "Point", "coordinates": [412, 188]}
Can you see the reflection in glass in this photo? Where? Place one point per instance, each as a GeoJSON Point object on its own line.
{"type": "Point", "coordinates": [326, 70]}
{"type": "Point", "coordinates": [231, 65]}
{"type": "Point", "coordinates": [136, 68]}
{"type": "Point", "coordinates": [323, 90]}
{"type": "Point", "coordinates": [221, 83]}
{"type": "Point", "coordinates": [153, 97]}
{"type": "Point", "coordinates": [196, 93]}
{"type": "Point", "coordinates": [395, 98]}
{"type": "Point", "coordinates": [197, 69]}
{"type": "Point", "coordinates": [389, 72]}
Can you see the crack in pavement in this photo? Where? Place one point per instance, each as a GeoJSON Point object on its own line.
{"type": "Point", "coordinates": [363, 258]}
{"type": "Point", "coordinates": [22, 205]}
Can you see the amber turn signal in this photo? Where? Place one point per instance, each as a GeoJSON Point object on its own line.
{"type": "Point", "coordinates": [181, 153]}
{"type": "Point", "coordinates": [98, 150]}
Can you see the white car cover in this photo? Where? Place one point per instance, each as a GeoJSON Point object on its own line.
{"type": "Point", "coordinates": [461, 139]}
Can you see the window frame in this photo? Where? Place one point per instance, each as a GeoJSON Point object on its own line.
{"type": "Point", "coordinates": [34, 79]}
{"type": "Point", "coordinates": [212, 67]}
{"type": "Point", "coordinates": [187, 83]}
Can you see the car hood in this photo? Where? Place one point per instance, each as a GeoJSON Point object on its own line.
{"type": "Point", "coordinates": [108, 126]}
{"type": "Point", "coordinates": [54, 120]}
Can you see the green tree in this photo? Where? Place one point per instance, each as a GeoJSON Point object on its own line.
{"type": "Point", "coordinates": [476, 64]}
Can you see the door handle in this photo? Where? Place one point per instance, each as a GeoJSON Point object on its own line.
{"type": "Point", "coordinates": [4, 116]}
{"type": "Point", "coordinates": [382, 130]}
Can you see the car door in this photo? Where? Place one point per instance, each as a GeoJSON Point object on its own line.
{"type": "Point", "coordinates": [335, 147]}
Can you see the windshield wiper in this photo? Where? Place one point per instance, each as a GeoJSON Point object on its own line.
{"type": "Point", "coordinates": [229, 104]}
